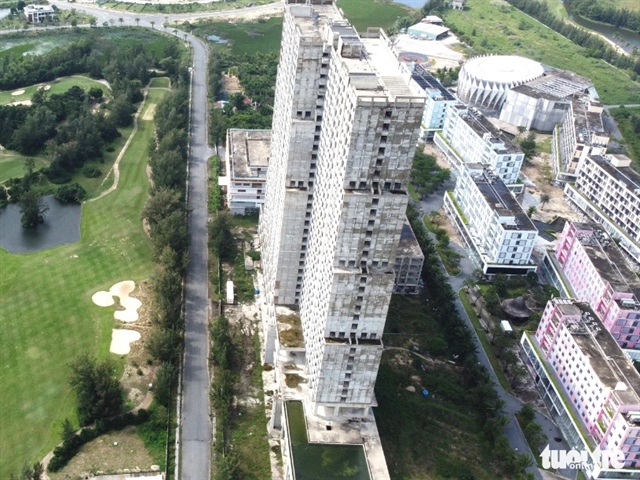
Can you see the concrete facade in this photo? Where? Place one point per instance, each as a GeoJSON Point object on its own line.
{"type": "Point", "coordinates": [588, 383]}
{"type": "Point", "coordinates": [580, 134]}
{"type": "Point", "coordinates": [491, 222]}
{"type": "Point", "coordinates": [598, 274]}
{"type": "Point", "coordinates": [438, 99]}
{"type": "Point", "coordinates": [409, 263]}
{"type": "Point", "coordinates": [468, 137]}
{"type": "Point", "coordinates": [247, 162]}
{"type": "Point", "coordinates": [608, 192]}
{"type": "Point", "coordinates": [39, 13]}
{"type": "Point", "coordinates": [346, 123]}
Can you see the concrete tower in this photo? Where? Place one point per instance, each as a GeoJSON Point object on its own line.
{"type": "Point", "coordinates": [345, 128]}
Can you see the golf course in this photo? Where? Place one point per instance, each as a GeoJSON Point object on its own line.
{"type": "Point", "coordinates": [47, 316]}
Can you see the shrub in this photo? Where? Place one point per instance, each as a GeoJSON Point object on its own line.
{"type": "Point", "coordinates": [72, 193]}
{"type": "Point", "coordinates": [91, 171]}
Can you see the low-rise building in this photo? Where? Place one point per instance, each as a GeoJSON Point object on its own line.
{"type": "Point", "coordinates": [468, 137]}
{"type": "Point", "coordinates": [588, 384]}
{"type": "Point", "coordinates": [409, 262]}
{"type": "Point", "coordinates": [498, 233]}
{"type": "Point", "coordinates": [608, 192]}
{"type": "Point", "coordinates": [428, 31]}
{"type": "Point", "coordinates": [39, 13]}
{"type": "Point", "coordinates": [247, 162]}
{"type": "Point", "coordinates": [541, 104]}
{"type": "Point", "coordinates": [580, 134]}
{"type": "Point", "coordinates": [598, 273]}
{"type": "Point", "coordinates": [438, 100]}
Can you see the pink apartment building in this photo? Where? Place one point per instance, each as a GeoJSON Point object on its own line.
{"type": "Point", "coordinates": [588, 383]}
{"type": "Point", "coordinates": [598, 273]}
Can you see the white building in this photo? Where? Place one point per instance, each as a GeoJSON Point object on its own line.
{"type": "Point", "coordinates": [497, 232]}
{"type": "Point", "coordinates": [581, 134]}
{"type": "Point", "coordinates": [468, 137]}
{"type": "Point", "coordinates": [247, 161]}
{"type": "Point", "coordinates": [438, 99]}
{"type": "Point", "coordinates": [346, 124]}
{"type": "Point", "coordinates": [608, 192]}
{"type": "Point", "coordinates": [39, 13]}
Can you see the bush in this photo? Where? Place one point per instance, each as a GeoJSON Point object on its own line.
{"type": "Point", "coordinates": [91, 171]}
{"type": "Point", "coordinates": [56, 174]}
{"type": "Point", "coordinates": [73, 193]}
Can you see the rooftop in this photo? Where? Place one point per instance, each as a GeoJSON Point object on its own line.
{"type": "Point", "coordinates": [609, 362]}
{"type": "Point", "coordinates": [587, 118]}
{"type": "Point", "coordinates": [429, 28]}
{"type": "Point", "coordinates": [625, 175]}
{"type": "Point", "coordinates": [500, 198]}
{"type": "Point", "coordinates": [503, 69]}
{"type": "Point", "coordinates": [249, 152]}
{"type": "Point", "coordinates": [408, 245]}
{"type": "Point", "coordinates": [555, 85]}
{"type": "Point", "coordinates": [485, 129]}
{"type": "Point", "coordinates": [606, 257]}
{"type": "Point", "coordinates": [426, 81]}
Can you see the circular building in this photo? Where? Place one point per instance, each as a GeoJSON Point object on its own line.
{"type": "Point", "coordinates": [485, 81]}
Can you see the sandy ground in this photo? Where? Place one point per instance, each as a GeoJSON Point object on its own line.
{"type": "Point", "coordinates": [23, 102]}
{"type": "Point", "coordinates": [439, 53]}
{"type": "Point", "coordinates": [231, 84]}
{"type": "Point", "coordinates": [122, 291]}
{"type": "Point", "coordinates": [17, 92]}
{"type": "Point", "coordinates": [149, 113]}
{"type": "Point", "coordinates": [120, 340]}
{"type": "Point", "coordinates": [538, 185]}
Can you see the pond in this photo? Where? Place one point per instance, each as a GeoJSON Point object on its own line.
{"type": "Point", "coordinates": [625, 39]}
{"type": "Point", "coordinates": [61, 225]}
{"type": "Point", "coordinates": [316, 461]}
{"type": "Point", "coordinates": [217, 39]}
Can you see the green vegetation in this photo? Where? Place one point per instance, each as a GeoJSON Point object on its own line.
{"type": "Point", "coordinates": [450, 259]}
{"type": "Point", "coordinates": [71, 17]}
{"type": "Point", "coordinates": [153, 433]}
{"type": "Point", "coordinates": [464, 299]}
{"type": "Point", "coordinates": [160, 82]}
{"type": "Point", "coordinates": [48, 315]}
{"type": "Point", "coordinates": [372, 13]}
{"type": "Point", "coordinates": [502, 29]}
{"type": "Point", "coordinates": [532, 431]}
{"type": "Point", "coordinates": [426, 174]}
{"type": "Point", "coordinates": [413, 193]}
{"type": "Point", "coordinates": [458, 209]}
{"type": "Point", "coordinates": [215, 191]}
{"type": "Point", "coordinates": [245, 38]}
{"type": "Point", "coordinates": [609, 11]}
{"type": "Point", "coordinates": [60, 85]}
{"type": "Point", "coordinates": [12, 164]}
{"type": "Point", "coordinates": [179, 7]}
{"type": "Point", "coordinates": [628, 120]}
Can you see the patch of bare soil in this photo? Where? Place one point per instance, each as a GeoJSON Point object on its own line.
{"type": "Point", "coordinates": [538, 171]}
{"type": "Point", "coordinates": [231, 84]}
{"type": "Point", "coordinates": [115, 452]}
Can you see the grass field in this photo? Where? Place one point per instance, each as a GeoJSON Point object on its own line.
{"type": "Point", "coordinates": [160, 82]}
{"type": "Point", "coordinates": [502, 29]}
{"type": "Point", "coordinates": [245, 37]}
{"type": "Point", "coordinates": [60, 85]}
{"type": "Point", "coordinates": [628, 4]}
{"type": "Point", "coordinates": [180, 7]}
{"type": "Point", "coordinates": [46, 313]}
{"type": "Point", "coordinates": [372, 13]}
{"type": "Point", "coordinates": [12, 164]}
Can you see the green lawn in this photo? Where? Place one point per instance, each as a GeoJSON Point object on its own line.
{"type": "Point", "coordinates": [160, 82]}
{"type": "Point", "coordinates": [502, 29]}
{"type": "Point", "coordinates": [372, 13]}
{"type": "Point", "coordinates": [46, 312]}
{"type": "Point", "coordinates": [60, 85]}
{"type": "Point", "coordinates": [245, 37]}
{"type": "Point", "coordinates": [12, 164]}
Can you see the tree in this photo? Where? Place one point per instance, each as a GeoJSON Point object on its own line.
{"type": "Point", "coordinates": [137, 22]}
{"type": "Point", "coordinates": [166, 377]}
{"type": "Point", "coordinates": [531, 210]}
{"type": "Point", "coordinates": [92, 22]}
{"type": "Point", "coordinates": [220, 237]}
{"type": "Point", "coordinates": [97, 389]}
{"type": "Point", "coordinates": [67, 430]}
{"type": "Point", "coordinates": [71, 193]}
{"type": "Point", "coordinates": [121, 20]}
{"type": "Point", "coordinates": [160, 205]}
{"type": "Point", "coordinates": [33, 208]}
{"type": "Point", "coordinates": [74, 22]}
{"type": "Point", "coordinates": [544, 199]}
{"type": "Point", "coordinates": [528, 145]}
{"type": "Point", "coordinates": [153, 25]}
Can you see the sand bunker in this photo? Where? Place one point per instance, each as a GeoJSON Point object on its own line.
{"type": "Point", "coordinates": [121, 340]}
{"type": "Point", "coordinates": [122, 291]}
{"type": "Point", "coordinates": [17, 92]}
{"type": "Point", "coordinates": [22, 102]}
{"type": "Point", "coordinates": [149, 113]}
{"type": "Point", "coordinates": [47, 87]}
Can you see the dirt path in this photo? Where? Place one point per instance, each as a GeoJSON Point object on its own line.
{"type": "Point", "coordinates": [116, 164]}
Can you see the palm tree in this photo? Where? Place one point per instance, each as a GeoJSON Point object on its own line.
{"type": "Point", "coordinates": [531, 210]}
{"type": "Point", "coordinates": [153, 25]}
{"type": "Point", "coordinates": [175, 32]}
{"type": "Point", "coordinates": [137, 22]}
{"type": "Point", "coordinates": [105, 24]}
{"type": "Point", "coordinates": [112, 21]}
{"type": "Point", "coordinates": [93, 22]}
{"type": "Point", "coordinates": [121, 20]}
{"type": "Point", "coordinates": [544, 198]}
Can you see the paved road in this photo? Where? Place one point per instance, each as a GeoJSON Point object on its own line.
{"type": "Point", "coordinates": [196, 424]}
{"type": "Point", "coordinates": [512, 405]}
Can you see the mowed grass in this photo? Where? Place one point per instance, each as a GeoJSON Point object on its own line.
{"type": "Point", "coordinates": [12, 164]}
{"type": "Point", "coordinates": [160, 82]}
{"type": "Point", "coordinates": [47, 316]}
{"type": "Point", "coordinates": [496, 26]}
{"type": "Point", "coordinates": [60, 85]}
{"type": "Point", "coordinates": [372, 13]}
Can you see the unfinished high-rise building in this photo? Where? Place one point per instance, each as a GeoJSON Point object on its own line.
{"type": "Point", "coordinates": [345, 127]}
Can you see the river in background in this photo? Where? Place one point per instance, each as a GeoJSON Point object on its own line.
{"type": "Point", "coordinates": [625, 39]}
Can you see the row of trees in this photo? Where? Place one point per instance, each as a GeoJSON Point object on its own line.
{"type": "Point", "coordinates": [629, 123]}
{"type": "Point", "coordinates": [479, 390]}
{"type": "Point", "coordinates": [595, 46]}
{"type": "Point", "coordinates": [618, 17]}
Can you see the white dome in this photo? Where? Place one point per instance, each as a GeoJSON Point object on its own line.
{"type": "Point", "coordinates": [485, 81]}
